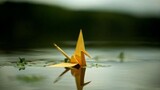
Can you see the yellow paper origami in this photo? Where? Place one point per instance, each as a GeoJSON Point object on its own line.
{"type": "Point", "coordinates": [78, 57]}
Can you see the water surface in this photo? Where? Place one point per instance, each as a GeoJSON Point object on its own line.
{"type": "Point", "coordinates": [114, 68]}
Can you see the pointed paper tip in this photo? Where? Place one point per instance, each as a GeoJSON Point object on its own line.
{"type": "Point", "coordinates": [54, 44]}
{"type": "Point", "coordinates": [86, 83]}
{"type": "Point", "coordinates": [64, 65]}
{"type": "Point", "coordinates": [65, 54]}
{"type": "Point", "coordinates": [87, 54]}
{"type": "Point", "coordinates": [80, 31]}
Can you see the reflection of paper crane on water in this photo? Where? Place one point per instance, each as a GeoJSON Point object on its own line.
{"type": "Point", "coordinates": [78, 57]}
{"type": "Point", "coordinates": [79, 75]}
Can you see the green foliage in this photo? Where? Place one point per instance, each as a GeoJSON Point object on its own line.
{"type": "Point", "coordinates": [21, 63]}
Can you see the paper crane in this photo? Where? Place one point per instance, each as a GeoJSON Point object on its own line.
{"type": "Point", "coordinates": [78, 57]}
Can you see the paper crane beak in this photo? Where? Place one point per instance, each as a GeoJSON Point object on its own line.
{"type": "Point", "coordinates": [86, 53]}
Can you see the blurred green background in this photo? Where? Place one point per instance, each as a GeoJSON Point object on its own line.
{"type": "Point", "coordinates": [32, 25]}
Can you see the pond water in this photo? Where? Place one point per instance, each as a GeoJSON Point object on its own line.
{"type": "Point", "coordinates": [111, 68]}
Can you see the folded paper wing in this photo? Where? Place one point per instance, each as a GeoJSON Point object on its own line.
{"type": "Point", "coordinates": [64, 65]}
{"type": "Point", "coordinates": [78, 56]}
